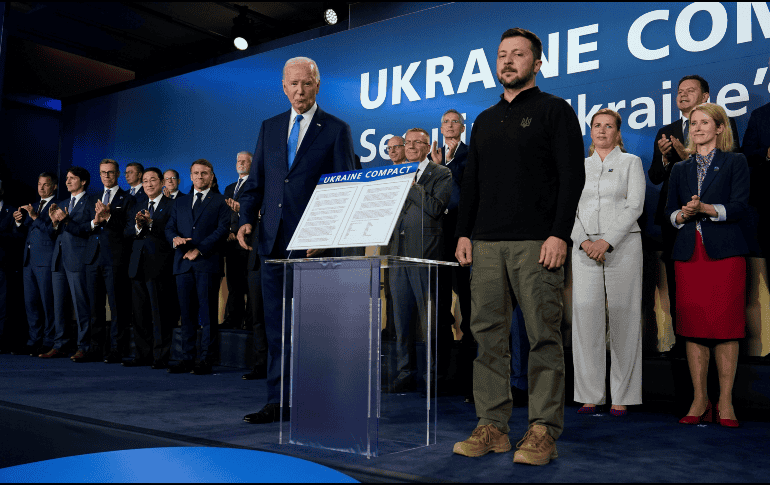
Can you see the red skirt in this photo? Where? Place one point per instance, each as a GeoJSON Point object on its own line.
{"type": "Point", "coordinates": [710, 296]}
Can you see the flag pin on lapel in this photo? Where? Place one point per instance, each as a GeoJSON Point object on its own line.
{"type": "Point", "coordinates": [319, 124]}
{"type": "Point", "coordinates": [610, 170]}
{"type": "Point", "coordinates": [716, 169]}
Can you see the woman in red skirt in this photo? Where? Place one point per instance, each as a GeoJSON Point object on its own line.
{"type": "Point", "coordinates": [707, 198]}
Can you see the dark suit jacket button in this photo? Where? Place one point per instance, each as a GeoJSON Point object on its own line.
{"type": "Point", "coordinates": [193, 227]}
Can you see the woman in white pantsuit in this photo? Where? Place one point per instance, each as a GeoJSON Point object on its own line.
{"type": "Point", "coordinates": [607, 264]}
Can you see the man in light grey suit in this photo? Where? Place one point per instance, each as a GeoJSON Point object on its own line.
{"type": "Point", "coordinates": [418, 234]}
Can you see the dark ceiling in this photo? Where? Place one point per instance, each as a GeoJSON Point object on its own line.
{"type": "Point", "coordinates": [62, 50]}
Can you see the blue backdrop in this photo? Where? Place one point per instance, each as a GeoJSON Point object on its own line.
{"type": "Point", "coordinates": [386, 77]}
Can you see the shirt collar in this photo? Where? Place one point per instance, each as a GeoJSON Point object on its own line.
{"type": "Point", "coordinates": [306, 116]}
{"type": "Point", "coordinates": [527, 93]}
{"type": "Point", "coordinates": [47, 199]}
{"type": "Point", "coordinates": [204, 192]}
{"type": "Point", "coordinates": [157, 200]}
{"type": "Point", "coordinates": [78, 197]}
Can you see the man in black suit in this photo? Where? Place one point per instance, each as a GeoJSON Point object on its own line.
{"type": "Point", "coordinates": [669, 149]}
{"type": "Point", "coordinates": [10, 269]}
{"type": "Point", "coordinates": [36, 261]}
{"type": "Point", "coordinates": [197, 229]}
{"type": "Point", "coordinates": [236, 310]}
{"type": "Point", "coordinates": [150, 270]}
{"type": "Point", "coordinates": [293, 150]}
{"type": "Point", "coordinates": [107, 256]}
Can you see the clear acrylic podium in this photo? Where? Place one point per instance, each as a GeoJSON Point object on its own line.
{"type": "Point", "coordinates": [340, 391]}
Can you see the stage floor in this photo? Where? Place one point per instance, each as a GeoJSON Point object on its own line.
{"type": "Point", "coordinates": [56, 408]}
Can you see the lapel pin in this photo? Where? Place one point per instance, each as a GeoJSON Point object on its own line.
{"type": "Point", "coordinates": [610, 170]}
{"type": "Point", "coordinates": [319, 124]}
{"type": "Point", "coordinates": [716, 169]}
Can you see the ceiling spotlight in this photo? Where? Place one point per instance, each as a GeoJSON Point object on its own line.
{"type": "Point", "coordinates": [242, 28]}
{"type": "Point", "coordinates": [330, 16]}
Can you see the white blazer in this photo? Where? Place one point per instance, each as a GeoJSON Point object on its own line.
{"type": "Point", "coordinates": [612, 198]}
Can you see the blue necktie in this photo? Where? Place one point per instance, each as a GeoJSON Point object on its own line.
{"type": "Point", "coordinates": [72, 205]}
{"type": "Point", "coordinates": [240, 181]}
{"type": "Point", "coordinates": [132, 191]}
{"type": "Point", "coordinates": [106, 198]}
{"type": "Point", "coordinates": [293, 138]}
{"type": "Point", "coordinates": [686, 131]}
{"type": "Point", "coordinates": [152, 208]}
{"type": "Point", "coordinates": [197, 204]}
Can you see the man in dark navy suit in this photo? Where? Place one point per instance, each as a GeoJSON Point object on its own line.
{"type": "Point", "coordinates": [197, 229]}
{"type": "Point", "coordinates": [171, 184]}
{"type": "Point", "coordinates": [36, 261]}
{"type": "Point", "coordinates": [133, 174]}
{"type": "Point", "coordinates": [293, 150]}
{"type": "Point", "coordinates": [756, 147]}
{"type": "Point", "coordinates": [151, 271]}
{"type": "Point", "coordinates": [106, 257]}
{"type": "Point", "coordinates": [71, 221]}
{"type": "Point", "coordinates": [236, 258]}
{"type": "Point", "coordinates": [668, 150]}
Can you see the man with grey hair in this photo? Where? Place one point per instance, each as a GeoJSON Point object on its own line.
{"type": "Point", "coordinates": [417, 234]}
{"type": "Point", "coordinates": [293, 150]}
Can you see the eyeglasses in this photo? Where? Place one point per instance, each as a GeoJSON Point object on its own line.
{"type": "Point", "coordinates": [446, 122]}
{"type": "Point", "coordinates": [169, 179]}
{"type": "Point", "coordinates": [415, 143]}
{"type": "Point", "coordinates": [106, 172]}
{"type": "Point", "coordinates": [392, 148]}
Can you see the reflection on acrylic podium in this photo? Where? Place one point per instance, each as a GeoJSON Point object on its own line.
{"type": "Point", "coordinates": [341, 373]}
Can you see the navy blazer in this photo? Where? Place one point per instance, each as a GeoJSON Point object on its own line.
{"type": "Point", "coordinates": [282, 193]}
{"type": "Point", "coordinates": [208, 232]}
{"type": "Point", "coordinates": [229, 190]}
{"type": "Point", "coordinates": [40, 236]}
{"type": "Point", "coordinates": [726, 183]}
{"type": "Point", "coordinates": [72, 234]}
{"type": "Point", "coordinates": [150, 251]}
{"type": "Point", "coordinates": [113, 248]}
{"type": "Point", "coordinates": [658, 173]}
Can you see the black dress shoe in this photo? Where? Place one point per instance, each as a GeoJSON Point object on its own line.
{"type": "Point", "coordinates": [136, 363]}
{"type": "Point", "coordinates": [257, 372]}
{"type": "Point", "coordinates": [113, 358]}
{"type": "Point", "coordinates": [202, 368]}
{"type": "Point", "coordinates": [271, 413]}
{"type": "Point", "coordinates": [159, 364]}
{"type": "Point", "coordinates": [183, 367]}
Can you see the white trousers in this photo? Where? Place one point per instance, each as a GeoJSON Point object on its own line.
{"type": "Point", "coordinates": [619, 280]}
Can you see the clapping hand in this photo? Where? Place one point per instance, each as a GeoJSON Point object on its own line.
{"type": "Point", "coordinates": [57, 214]}
{"type": "Point", "coordinates": [143, 218]}
{"type": "Point", "coordinates": [102, 212]}
{"type": "Point", "coordinates": [234, 205]}
{"type": "Point", "coordinates": [452, 144]}
{"type": "Point", "coordinates": [435, 153]}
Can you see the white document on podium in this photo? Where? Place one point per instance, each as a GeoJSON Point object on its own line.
{"type": "Point", "coordinates": [354, 209]}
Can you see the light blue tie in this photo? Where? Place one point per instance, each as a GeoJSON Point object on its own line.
{"type": "Point", "coordinates": [686, 132]}
{"type": "Point", "coordinates": [293, 138]}
{"type": "Point", "coordinates": [106, 198]}
{"type": "Point", "coordinates": [72, 205]}
{"type": "Point", "coordinates": [132, 191]}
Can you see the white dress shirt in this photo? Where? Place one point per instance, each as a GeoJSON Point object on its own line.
{"type": "Point", "coordinates": [135, 188]}
{"type": "Point", "coordinates": [243, 179]}
{"type": "Point", "coordinates": [420, 170]}
{"type": "Point", "coordinates": [612, 198]}
{"type": "Point", "coordinates": [304, 123]}
{"type": "Point", "coordinates": [195, 193]}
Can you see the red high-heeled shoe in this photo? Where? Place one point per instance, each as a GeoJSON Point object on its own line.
{"type": "Point", "coordinates": [727, 423]}
{"type": "Point", "coordinates": [706, 417]}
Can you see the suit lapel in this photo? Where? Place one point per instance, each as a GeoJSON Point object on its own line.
{"type": "Point", "coordinates": [713, 171]}
{"type": "Point", "coordinates": [425, 176]}
{"type": "Point", "coordinates": [315, 127]}
{"type": "Point", "coordinates": [283, 146]}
